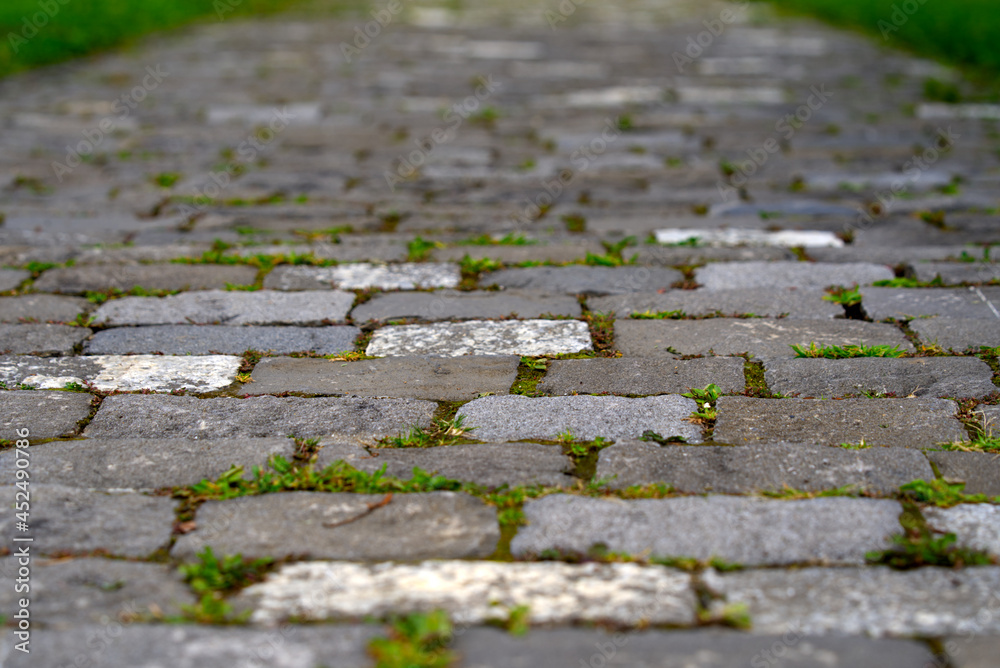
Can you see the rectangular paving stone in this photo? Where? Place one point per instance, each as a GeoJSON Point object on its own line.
{"type": "Point", "coordinates": [362, 276]}
{"type": "Point", "coordinates": [47, 340]}
{"type": "Point", "coordinates": [925, 376]}
{"type": "Point", "coordinates": [10, 279]}
{"type": "Point", "coordinates": [808, 304]}
{"type": "Point", "coordinates": [672, 256]}
{"type": "Point", "coordinates": [208, 339]}
{"type": "Point", "coordinates": [482, 337]}
{"type": "Point", "coordinates": [972, 652]}
{"type": "Point", "coordinates": [741, 530]}
{"type": "Point", "coordinates": [777, 275]}
{"type": "Point", "coordinates": [580, 279]}
{"type": "Point", "coordinates": [878, 602]}
{"type": "Point", "coordinates": [434, 378]}
{"type": "Point", "coordinates": [356, 527]}
{"type": "Point", "coordinates": [228, 308]}
{"type": "Point", "coordinates": [372, 249]}
{"type": "Point", "coordinates": [958, 334]}
{"type": "Point", "coordinates": [975, 525]}
{"type": "Point", "coordinates": [42, 308]}
{"type": "Point", "coordinates": [954, 273]}
{"type": "Point", "coordinates": [640, 376]}
{"type": "Point", "coordinates": [980, 471]}
{"type": "Point", "coordinates": [540, 252]}
{"type": "Point", "coordinates": [910, 303]}
{"type": "Point", "coordinates": [43, 414]}
{"type": "Point", "coordinates": [473, 592]}
{"type": "Point", "coordinates": [906, 423]}
{"type": "Point", "coordinates": [77, 280]}
{"type": "Point", "coordinates": [490, 465]}
{"type": "Point", "coordinates": [448, 304]}
{"type": "Point", "coordinates": [745, 237]}
{"type": "Point", "coordinates": [73, 520]}
{"type": "Point", "coordinates": [515, 418]}
{"type": "Point", "coordinates": [746, 469]}
{"type": "Point", "coordinates": [760, 337]}
{"type": "Point", "coordinates": [892, 256]}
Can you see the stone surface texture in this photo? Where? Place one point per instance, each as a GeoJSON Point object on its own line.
{"type": "Point", "coordinates": [483, 337]}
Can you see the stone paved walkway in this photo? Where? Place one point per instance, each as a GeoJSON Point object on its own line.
{"type": "Point", "coordinates": [502, 245]}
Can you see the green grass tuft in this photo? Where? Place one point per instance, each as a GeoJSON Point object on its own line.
{"type": "Point", "coordinates": [846, 352]}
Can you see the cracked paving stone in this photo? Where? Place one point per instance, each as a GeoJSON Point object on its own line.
{"type": "Point", "coordinates": [878, 601]}
{"type": "Point", "coordinates": [362, 276]}
{"type": "Point", "coordinates": [641, 376]}
{"type": "Point", "coordinates": [910, 303]}
{"type": "Point", "coordinates": [69, 519]}
{"type": "Point", "coordinates": [794, 304]}
{"type": "Point", "coordinates": [448, 304]}
{"type": "Point", "coordinates": [740, 530]}
{"type": "Point", "coordinates": [474, 592]}
{"type": "Point", "coordinates": [77, 280]}
{"type": "Point", "coordinates": [219, 339]}
{"type": "Point", "coordinates": [958, 334]}
{"type": "Point", "coordinates": [584, 280]}
{"type": "Point", "coordinates": [515, 418]}
{"type": "Point", "coordinates": [927, 376]}
{"type": "Point", "coordinates": [779, 275]}
{"type": "Point", "coordinates": [759, 337]}
{"type": "Point", "coordinates": [980, 471]}
{"type": "Point", "coordinates": [43, 414]}
{"type": "Point", "coordinates": [434, 378]}
{"type": "Point", "coordinates": [490, 465]}
{"type": "Point", "coordinates": [954, 273]}
{"type": "Point", "coordinates": [228, 308]}
{"type": "Point", "coordinates": [10, 279]}
{"type": "Point", "coordinates": [357, 527]}
{"type": "Point", "coordinates": [42, 308]}
{"type": "Point", "coordinates": [754, 468]}
{"type": "Point", "coordinates": [976, 525]}
{"type": "Point", "coordinates": [146, 464]}
{"type": "Point", "coordinates": [482, 337]}
{"type": "Point", "coordinates": [47, 340]}
{"type": "Point", "coordinates": [905, 423]}
{"type": "Point", "coordinates": [167, 416]}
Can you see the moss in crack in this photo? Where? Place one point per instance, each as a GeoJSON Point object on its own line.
{"type": "Point", "coordinates": [441, 432]}
{"type": "Point", "coordinates": [917, 546]}
{"type": "Point", "coordinates": [756, 384]}
{"type": "Point", "coordinates": [530, 372]}
{"type": "Point", "coordinates": [602, 332]}
{"type": "Point", "coordinates": [249, 362]}
{"type": "Point", "coordinates": [212, 579]}
{"type": "Point", "coordinates": [584, 454]}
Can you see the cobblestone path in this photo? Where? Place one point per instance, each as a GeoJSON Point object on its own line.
{"type": "Point", "coordinates": [605, 270]}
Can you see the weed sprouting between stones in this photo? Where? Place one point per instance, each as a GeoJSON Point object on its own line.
{"type": "Point", "coordinates": [99, 297]}
{"type": "Point", "coordinates": [419, 640]}
{"type": "Point", "coordinates": [511, 239]}
{"type": "Point", "coordinates": [530, 372]}
{"type": "Point", "coordinates": [212, 578]}
{"type": "Point", "coordinates": [917, 547]}
{"type": "Point", "coordinates": [844, 296]}
{"type": "Point", "coordinates": [419, 249]}
{"type": "Point", "coordinates": [681, 315]}
{"type": "Point", "coordinates": [861, 445]}
{"type": "Point", "coordinates": [846, 352]}
{"type": "Point", "coordinates": [756, 384]}
{"type": "Point", "coordinates": [602, 332]}
{"type": "Point", "coordinates": [441, 432]}
{"type": "Point", "coordinates": [941, 493]}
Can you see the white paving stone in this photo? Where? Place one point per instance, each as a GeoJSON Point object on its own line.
{"type": "Point", "coordinates": [705, 95]}
{"type": "Point", "coordinates": [745, 237]}
{"type": "Point", "coordinates": [301, 112]}
{"type": "Point", "coordinates": [483, 337]}
{"type": "Point", "coordinates": [612, 97]}
{"type": "Point", "coordinates": [158, 373]}
{"type": "Point", "coordinates": [975, 525]}
{"type": "Point", "coordinates": [364, 275]}
{"type": "Point", "coordinates": [475, 592]}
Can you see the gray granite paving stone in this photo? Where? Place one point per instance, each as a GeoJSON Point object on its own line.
{"type": "Point", "coordinates": [641, 376]}
{"type": "Point", "coordinates": [906, 423]}
{"type": "Point", "coordinates": [892, 256]}
{"type": "Point", "coordinates": [975, 525]}
{"type": "Point", "coordinates": [972, 651]}
{"type": "Point", "coordinates": [958, 334]}
{"type": "Point", "coordinates": [482, 337]}
{"type": "Point", "coordinates": [515, 418]}
{"type": "Point", "coordinates": [11, 278]}
{"type": "Point", "coordinates": [77, 280]}
{"type": "Point", "coordinates": [43, 414]}
{"type": "Point", "coordinates": [372, 249]}
{"type": "Point", "coordinates": [926, 376]}
{"type": "Point", "coordinates": [437, 525]}
{"type": "Point", "coordinates": [206, 339]}
{"type": "Point", "coordinates": [807, 304]}
{"type": "Point", "coordinates": [910, 303]}
{"type": "Point", "coordinates": [435, 378]}
{"type": "Point", "coordinates": [877, 602]}
{"type": "Point", "coordinates": [744, 469]}
{"type": "Point", "coordinates": [980, 471]}
{"type": "Point", "coordinates": [529, 253]}
{"type": "Point", "coordinates": [154, 463]}
{"type": "Point", "coordinates": [42, 308]}
{"type": "Point", "coordinates": [778, 275]}
{"type": "Point", "coordinates": [166, 416]}
{"type": "Point", "coordinates": [955, 273]}
{"type": "Point", "coordinates": [448, 304]}
{"type": "Point", "coordinates": [667, 256]}
{"type": "Point", "coordinates": [761, 338]}
{"type": "Point", "coordinates": [579, 279]}
{"type": "Point", "coordinates": [70, 519]}
{"type": "Point", "coordinates": [490, 465]}
{"type": "Point", "coordinates": [48, 340]}
{"type": "Point", "coordinates": [361, 276]}
{"type": "Point", "coordinates": [704, 648]}
{"type": "Point", "coordinates": [748, 531]}
{"type": "Point", "coordinates": [228, 308]}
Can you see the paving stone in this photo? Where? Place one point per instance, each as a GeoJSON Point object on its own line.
{"type": "Point", "coordinates": [672, 256]}
{"type": "Point", "coordinates": [127, 373]}
{"type": "Point", "coordinates": [744, 469]}
{"type": "Point", "coordinates": [579, 279]}
{"type": "Point", "coordinates": [638, 376]}
{"type": "Point", "coordinates": [906, 423]}
{"type": "Point", "coordinates": [474, 592]}
{"type": "Point", "coordinates": [228, 308]}
{"type": "Point", "coordinates": [134, 463]}
{"type": "Point", "coordinates": [567, 252]}
{"type": "Point", "coordinates": [10, 279]}
{"type": "Point", "coordinates": [207, 339]}
{"type": "Point", "coordinates": [794, 304]}
{"type": "Point", "coordinates": [435, 378]}
{"type": "Point", "coordinates": [878, 602]}
{"type": "Point", "coordinates": [167, 416]}
{"type": "Point", "coordinates": [972, 651]}
{"type": "Point", "coordinates": [482, 337]}
{"type": "Point", "coordinates": [515, 418]}
{"type": "Point", "coordinates": [758, 532]}
{"type": "Point", "coordinates": [77, 280]}
{"type": "Point", "coordinates": [954, 273]}
{"type": "Point", "coordinates": [488, 465]}
{"type": "Point", "coordinates": [760, 337]}
{"type": "Point", "coordinates": [778, 275]}
{"type": "Point", "coordinates": [892, 256]}
{"type": "Point", "coordinates": [910, 303]}
{"type": "Point", "coordinates": [372, 250]}
{"type": "Point", "coordinates": [45, 340]}
{"type": "Point", "coordinates": [958, 334]}
{"type": "Point", "coordinates": [356, 527]}
{"type": "Point", "coordinates": [68, 593]}
{"type": "Point", "coordinates": [990, 415]}
{"type": "Point", "coordinates": [362, 276]}
{"type": "Point", "coordinates": [69, 519]}
{"type": "Point", "coordinates": [447, 304]}
{"type": "Point", "coordinates": [42, 308]}
{"type": "Point", "coordinates": [925, 376]}
{"type": "Point", "coordinates": [704, 648]}
{"type": "Point", "coordinates": [787, 208]}
{"type": "Point", "coordinates": [976, 525]}
{"type": "Point", "coordinates": [737, 237]}
{"type": "Point", "coordinates": [980, 471]}
{"type": "Point", "coordinates": [43, 414]}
